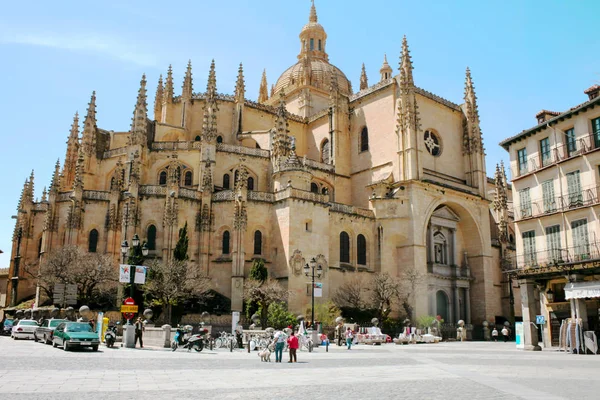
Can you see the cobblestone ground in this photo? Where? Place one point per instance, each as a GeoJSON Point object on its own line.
{"type": "Point", "coordinates": [471, 370]}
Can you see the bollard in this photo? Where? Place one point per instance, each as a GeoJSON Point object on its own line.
{"type": "Point", "coordinates": [327, 346]}
{"type": "Point", "coordinates": [231, 346]}
{"type": "Point", "coordinates": [248, 346]}
{"type": "Point", "coordinates": [211, 344]}
{"type": "Point", "coordinates": [167, 335]}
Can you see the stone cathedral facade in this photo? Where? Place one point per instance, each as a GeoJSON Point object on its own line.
{"type": "Point", "coordinates": [385, 179]}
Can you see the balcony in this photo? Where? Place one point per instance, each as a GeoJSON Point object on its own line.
{"type": "Point", "coordinates": [561, 152]}
{"type": "Point", "coordinates": [546, 262]}
{"type": "Point", "coordinates": [589, 196]}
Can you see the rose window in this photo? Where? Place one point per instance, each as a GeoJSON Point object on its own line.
{"type": "Point", "coordinates": [432, 143]}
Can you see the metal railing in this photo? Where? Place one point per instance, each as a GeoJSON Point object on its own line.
{"type": "Point", "coordinates": [586, 197]}
{"type": "Point", "coordinates": [564, 255]}
{"type": "Point", "coordinates": [560, 152]}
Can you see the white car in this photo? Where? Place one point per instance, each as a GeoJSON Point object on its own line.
{"type": "Point", "coordinates": [24, 329]}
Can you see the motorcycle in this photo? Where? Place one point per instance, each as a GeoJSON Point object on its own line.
{"type": "Point", "coordinates": [110, 337]}
{"type": "Point", "coordinates": [195, 342]}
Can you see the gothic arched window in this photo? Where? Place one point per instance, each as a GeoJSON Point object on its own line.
{"type": "Point", "coordinates": [226, 249]}
{"type": "Point", "coordinates": [364, 139]}
{"type": "Point", "coordinates": [151, 237]}
{"type": "Point", "coordinates": [324, 190]}
{"type": "Point", "coordinates": [162, 180]}
{"type": "Point", "coordinates": [433, 143]}
{"type": "Point", "coordinates": [93, 241]}
{"type": "Point", "coordinates": [188, 178]}
{"type": "Point", "coordinates": [219, 139]}
{"type": "Point", "coordinates": [344, 247]}
{"type": "Point", "coordinates": [197, 139]}
{"type": "Point", "coordinates": [226, 181]}
{"type": "Point", "coordinates": [258, 242]}
{"type": "Point", "coordinates": [314, 187]}
{"type": "Point", "coordinates": [361, 250]}
{"type": "Point", "coordinates": [250, 183]}
{"type": "Point", "coordinates": [325, 151]}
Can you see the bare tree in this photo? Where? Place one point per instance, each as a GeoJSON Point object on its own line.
{"type": "Point", "coordinates": [93, 273]}
{"type": "Point", "coordinates": [170, 283]}
{"type": "Point", "coordinates": [264, 293]}
{"type": "Point", "coordinates": [411, 279]}
{"type": "Point", "coordinates": [350, 294]}
{"type": "Point", "coordinates": [386, 291]}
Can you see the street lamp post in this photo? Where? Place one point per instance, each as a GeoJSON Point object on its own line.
{"type": "Point", "coordinates": [307, 271]}
{"type": "Point", "coordinates": [135, 254]}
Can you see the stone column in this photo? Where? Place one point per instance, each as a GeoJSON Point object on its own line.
{"type": "Point", "coordinates": [468, 305]}
{"type": "Point", "coordinates": [457, 315]}
{"type": "Point", "coordinates": [529, 312]}
{"type": "Point", "coordinates": [453, 260]}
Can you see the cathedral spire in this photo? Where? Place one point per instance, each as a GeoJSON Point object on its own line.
{"type": "Point", "coordinates": [470, 96]}
{"type": "Point", "coordinates": [31, 189]}
{"type": "Point", "coordinates": [55, 182]}
{"type": "Point", "coordinates": [187, 88]}
{"type": "Point", "coordinates": [88, 138]}
{"type": "Point", "coordinates": [313, 13]}
{"type": "Point", "coordinates": [140, 115]}
{"type": "Point", "coordinates": [168, 91]}
{"type": "Point", "coordinates": [263, 94]}
{"type": "Point", "coordinates": [281, 121]}
{"type": "Point", "coordinates": [386, 70]}
{"type": "Point", "coordinates": [473, 140]}
{"type": "Point", "coordinates": [24, 195]}
{"type": "Point", "coordinates": [209, 123]}
{"type": "Point", "coordinates": [406, 67]}
{"type": "Point", "coordinates": [78, 180]}
{"type": "Point", "coordinates": [240, 87]}
{"type": "Point", "coordinates": [500, 202]}
{"type": "Point", "coordinates": [71, 155]}
{"type": "Point", "coordinates": [364, 83]}
{"type": "Point", "coordinates": [158, 98]}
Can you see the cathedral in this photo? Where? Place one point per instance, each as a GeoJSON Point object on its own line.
{"type": "Point", "coordinates": [387, 179]}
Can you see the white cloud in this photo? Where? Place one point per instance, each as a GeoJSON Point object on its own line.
{"type": "Point", "coordinates": [115, 48]}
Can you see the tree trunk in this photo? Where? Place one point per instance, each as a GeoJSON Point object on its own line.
{"type": "Point", "coordinates": [264, 315]}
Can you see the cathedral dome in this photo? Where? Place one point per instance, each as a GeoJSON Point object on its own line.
{"type": "Point", "coordinates": [312, 72]}
{"type": "Point", "coordinates": [313, 67]}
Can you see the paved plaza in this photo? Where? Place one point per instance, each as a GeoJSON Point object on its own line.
{"type": "Point", "coordinates": [471, 370]}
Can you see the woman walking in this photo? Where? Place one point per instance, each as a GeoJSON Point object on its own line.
{"type": "Point", "coordinates": [349, 337]}
{"type": "Point", "coordinates": [293, 345]}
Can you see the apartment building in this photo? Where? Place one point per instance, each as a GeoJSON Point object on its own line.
{"type": "Point", "coordinates": [555, 171]}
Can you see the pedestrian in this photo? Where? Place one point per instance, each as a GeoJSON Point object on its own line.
{"type": "Point", "coordinates": [293, 345]}
{"type": "Point", "coordinates": [139, 329]}
{"type": "Point", "coordinates": [505, 334]}
{"type": "Point", "coordinates": [495, 334]}
{"type": "Point", "coordinates": [339, 334]}
{"type": "Point", "coordinates": [279, 339]}
{"type": "Point", "coordinates": [349, 337]}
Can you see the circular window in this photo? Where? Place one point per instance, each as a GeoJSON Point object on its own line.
{"type": "Point", "coordinates": [432, 143]}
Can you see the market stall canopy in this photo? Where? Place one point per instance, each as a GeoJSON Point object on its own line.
{"type": "Point", "coordinates": [580, 290]}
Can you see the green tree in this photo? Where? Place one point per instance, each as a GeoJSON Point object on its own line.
{"type": "Point", "coordinates": [325, 313]}
{"type": "Point", "coordinates": [264, 294]}
{"type": "Point", "coordinates": [258, 271]}
{"type": "Point", "coordinates": [181, 248]}
{"type": "Point", "coordinates": [279, 316]}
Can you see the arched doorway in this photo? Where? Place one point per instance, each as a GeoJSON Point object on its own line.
{"type": "Point", "coordinates": [441, 305]}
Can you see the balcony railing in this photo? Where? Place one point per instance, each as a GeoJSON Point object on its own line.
{"type": "Point", "coordinates": [250, 151]}
{"type": "Point", "coordinates": [170, 146]}
{"type": "Point", "coordinates": [550, 257]}
{"type": "Point", "coordinates": [586, 197]}
{"type": "Point", "coordinates": [560, 152]}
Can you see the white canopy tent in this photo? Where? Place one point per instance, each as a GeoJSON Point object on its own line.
{"type": "Point", "coordinates": [581, 290]}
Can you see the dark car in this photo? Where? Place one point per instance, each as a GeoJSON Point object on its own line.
{"type": "Point", "coordinates": [46, 329]}
{"type": "Point", "coordinates": [75, 334]}
{"type": "Point", "coordinates": [6, 327]}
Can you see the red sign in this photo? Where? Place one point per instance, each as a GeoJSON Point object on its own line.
{"type": "Point", "coordinates": [128, 302]}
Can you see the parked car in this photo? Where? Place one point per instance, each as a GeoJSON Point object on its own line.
{"type": "Point", "coordinates": [6, 329]}
{"type": "Point", "coordinates": [75, 334]}
{"type": "Point", "coordinates": [24, 329]}
{"type": "Point", "coordinates": [45, 330]}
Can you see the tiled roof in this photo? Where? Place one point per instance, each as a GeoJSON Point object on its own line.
{"type": "Point", "coordinates": [566, 114]}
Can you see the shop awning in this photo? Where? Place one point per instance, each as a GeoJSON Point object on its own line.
{"type": "Point", "coordinates": [581, 290]}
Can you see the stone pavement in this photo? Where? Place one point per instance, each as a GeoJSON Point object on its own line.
{"type": "Point", "coordinates": [471, 370]}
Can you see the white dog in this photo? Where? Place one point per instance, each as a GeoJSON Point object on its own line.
{"type": "Point", "coordinates": [265, 355]}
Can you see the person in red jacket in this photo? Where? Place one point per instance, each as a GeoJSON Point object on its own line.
{"type": "Point", "coordinates": [293, 345]}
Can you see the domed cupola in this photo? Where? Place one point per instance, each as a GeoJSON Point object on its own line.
{"type": "Point", "coordinates": [313, 38]}
{"type": "Point", "coordinates": [313, 69]}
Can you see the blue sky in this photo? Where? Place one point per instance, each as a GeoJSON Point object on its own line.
{"type": "Point", "coordinates": [524, 56]}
